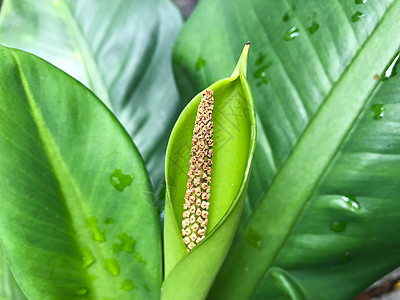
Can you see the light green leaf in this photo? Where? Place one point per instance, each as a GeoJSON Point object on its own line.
{"type": "Point", "coordinates": [120, 49]}
{"type": "Point", "coordinates": [189, 275]}
{"type": "Point", "coordinates": [319, 151]}
{"type": "Point", "coordinates": [76, 218]}
{"type": "Point", "coordinates": [9, 289]}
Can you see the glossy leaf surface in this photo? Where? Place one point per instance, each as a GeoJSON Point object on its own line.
{"type": "Point", "coordinates": [120, 49]}
{"type": "Point", "coordinates": [76, 218]}
{"type": "Point", "coordinates": [234, 142]}
{"type": "Point", "coordinates": [322, 185]}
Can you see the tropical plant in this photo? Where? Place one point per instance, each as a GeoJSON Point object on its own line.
{"type": "Point", "coordinates": [81, 206]}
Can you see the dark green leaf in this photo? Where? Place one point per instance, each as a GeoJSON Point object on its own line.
{"type": "Point", "coordinates": [119, 49]}
{"type": "Point", "coordinates": [320, 148]}
{"type": "Point", "coordinates": [66, 228]}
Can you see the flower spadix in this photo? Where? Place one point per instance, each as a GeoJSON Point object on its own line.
{"type": "Point", "coordinates": [208, 162]}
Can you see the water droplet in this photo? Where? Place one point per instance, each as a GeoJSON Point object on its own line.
{"type": "Point", "coordinates": [346, 258]}
{"type": "Point", "coordinates": [286, 17]}
{"type": "Point", "coordinates": [200, 63]}
{"type": "Point", "coordinates": [378, 111]}
{"type": "Point", "coordinates": [291, 34]}
{"type": "Point", "coordinates": [351, 203]}
{"type": "Point", "coordinates": [261, 74]}
{"type": "Point", "coordinates": [109, 221]}
{"type": "Point", "coordinates": [338, 226]}
{"type": "Point", "coordinates": [313, 28]}
{"type": "Point", "coordinates": [98, 235]}
{"type": "Point", "coordinates": [112, 265]}
{"type": "Point", "coordinates": [360, 1]}
{"type": "Point", "coordinates": [391, 71]}
{"type": "Point", "coordinates": [127, 244]}
{"type": "Point", "coordinates": [139, 258]}
{"type": "Point", "coordinates": [87, 258]}
{"type": "Point", "coordinates": [260, 59]}
{"type": "Point", "coordinates": [92, 277]}
{"type": "Point", "coordinates": [128, 285]}
{"type": "Point", "coordinates": [146, 287]}
{"type": "Point", "coordinates": [358, 15]}
{"type": "Point", "coordinates": [254, 239]}
{"type": "Point", "coordinates": [120, 181]}
{"type": "Point", "coordinates": [81, 291]}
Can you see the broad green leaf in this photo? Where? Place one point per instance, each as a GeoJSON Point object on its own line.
{"type": "Point", "coordinates": [189, 275]}
{"type": "Point", "coordinates": [9, 289]}
{"type": "Point", "coordinates": [76, 218]}
{"type": "Point", "coordinates": [316, 68]}
{"type": "Point", "coordinates": [120, 49]}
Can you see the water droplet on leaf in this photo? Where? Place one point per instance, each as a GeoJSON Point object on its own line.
{"type": "Point", "coordinates": [127, 244]}
{"type": "Point", "coordinates": [120, 181]}
{"type": "Point", "coordinates": [98, 235]}
{"type": "Point", "coordinates": [378, 111]}
{"type": "Point", "coordinates": [360, 1]}
{"type": "Point", "coordinates": [286, 17]}
{"type": "Point", "coordinates": [313, 28]}
{"type": "Point", "coordinates": [128, 285]}
{"type": "Point", "coordinates": [200, 63]}
{"type": "Point", "coordinates": [351, 203]}
{"type": "Point", "coordinates": [139, 258]}
{"type": "Point", "coordinates": [87, 258]}
{"type": "Point", "coordinates": [357, 16]}
{"type": "Point", "coordinates": [109, 221]}
{"type": "Point", "coordinates": [146, 287]}
{"type": "Point", "coordinates": [291, 34]}
{"type": "Point", "coordinates": [112, 266]}
{"type": "Point", "coordinates": [338, 226]}
{"type": "Point", "coordinates": [81, 291]}
{"type": "Point", "coordinates": [254, 239]}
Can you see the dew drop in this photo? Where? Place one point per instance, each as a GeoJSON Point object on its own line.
{"type": "Point", "coordinates": [127, 285]}
{"type": "Point", "coordinates": [360, 1]}
{"type": "Point", "coordinates": [81, 291]}
{"type": "Point", "coordinates": [260, 59]}
{"type": "Point", "coordinates": [120, 181]}
{"type": "Point", "coordinates": [98, 235]}
{"type": "Point", "coordinates": [378, 111]}
{"type": "Point", "coordinates": [291, 34]}
{"type": "Point", "coordinates": [200, 63]}
{"type": "Point", "coordinates": [338, 226]}
{"type": "Point", "coordinates": [351, 203]}
{"type": "Point", "coordinates": [112, 266]}
{"type": "Point", "coordinates": [109, 221]}
{"type": "Point", "coordinates": [87, 258]}
{"type": "Point", "coordinates": [286, 17]}
{"type": "Point", "coordinates": [92, 277]}
{"type": "Point", "coordinates": [313, 27]}
{"type": "Point", "coordinates": [357, 16]}
{"type": "Point", "coordinates": [116, 248]}
{"type": "Point", "coordinates": [261, 75]}
{"type": "Point", "coordinates": [127, 244]}
{"type": "Point", "coordinates": [391, 71]}
{"type": "Point", "coordinates": [139, 258]}
{"type": "Point", "coordinates": [346, 258]}
{"type": "Point", "coordinates": [254, 239]}
{"type": "Point", "coordinates": [146, 287]}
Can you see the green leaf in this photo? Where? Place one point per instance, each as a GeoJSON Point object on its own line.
{"type": "Point", "coordinates": [190, 275]}
{"type": "Point", "coordinates": [71, 225]}
{"type": "Point", "coordinates": [9, 289]}
{"type": "Point", "coordinates": [315, 73]}
{"type": "Point", "coordinates": [120, 49]}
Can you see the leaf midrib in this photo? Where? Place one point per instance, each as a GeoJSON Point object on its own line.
{"type": "Point", "coordinates": [73, 199]}
{"type": "Point", "coordinates": [95, 77]}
